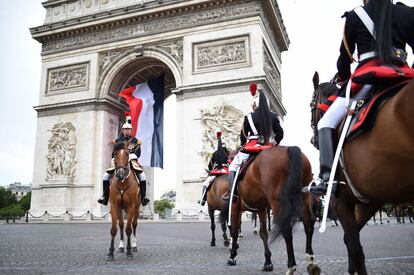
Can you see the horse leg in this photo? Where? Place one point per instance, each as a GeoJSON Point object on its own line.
{"type": "Point", "coordinates": [121, 232]}
{"type": "Point", "coordinates": [110, 256]}
{"type": "Point", "coordinates": [308, 225]}
{"type": "Point", "coordinates": [212, 226]}
{"type": "Point", "coordinates": [128, 232]}
{"type": "Point", "coordinates": [287, 236]}
{"type": "Point", "coordinates": [234, 232]}
{"type": "Point", "coordinates": [353, 218]}
{"type": "Point", "coordinates": [255, 223]}
{"type": "Point", "coordinates": [223, 222]}
{"type": "Point", "coordinates": [240, 232]}
{"type": "Point", "coordinates": [134, 234]}
{"type": "Point", "coordinates": [268, 266]}
{"type": "Point", "coordinates": [268, 219]}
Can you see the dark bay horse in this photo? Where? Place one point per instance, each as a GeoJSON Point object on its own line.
{"type": "Point", "coordinates": [274, 180]}
{"type": "Point", "coordinates": [216, 203]}
{"type": "Point", "coordinates": [123, 195]}
{"type": "Point", "coordinates": [379, 164]}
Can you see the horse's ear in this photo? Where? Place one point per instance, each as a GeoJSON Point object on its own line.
{"type": "Point", "coordinates": [315, 80]}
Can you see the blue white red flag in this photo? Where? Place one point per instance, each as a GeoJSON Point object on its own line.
{"type": "Point", "coordinates": [146, 104]}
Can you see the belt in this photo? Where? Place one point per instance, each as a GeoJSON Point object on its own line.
{"type": "Point", "coordinates": [367, 55]}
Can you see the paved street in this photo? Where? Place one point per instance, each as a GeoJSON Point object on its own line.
{"type": "Point", "coordinates": [184, 248]}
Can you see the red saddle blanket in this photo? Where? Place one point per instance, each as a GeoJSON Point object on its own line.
{"type": "Point", "coordinates": [253, 147]}
{"type": "Point", "coordinates": [365, 117]}
{"type": "Point", "coordinates": [222, 171]}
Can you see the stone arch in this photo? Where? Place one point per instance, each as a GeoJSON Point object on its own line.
{"type": "Point", "coordinates": [138, 65]}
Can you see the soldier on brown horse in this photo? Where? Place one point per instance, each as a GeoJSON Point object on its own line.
{"type": "Point", "coordinates": [273, 179]}
{"type": "Point", "coordinates": [378, 154]}
{"type": "Point", "coordinates": [124, 195]}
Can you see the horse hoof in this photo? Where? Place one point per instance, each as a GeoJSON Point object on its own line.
{"type": "Point", "coordinates": [231, 261]}
{"type": "Point", "coordinates": [255, 232]}
{"type": "Point", "coordinates": [240, 235]}
{"type": "Point", "coordinates": [313, 269]}
{"type": "Point", "coordinates": [134, 249]}
{"type": "Point", "coordinates": [129, 256]}
{"type": "Point", "coordinates": [213, 244]}
{"type": "Point", "coordinates": [268, 267]}
{"type": "Point", "coordinates": [110, 258]}
{"type": "Point", "coordinates": [226, 243]}
{"type": "Point", "coordinates": [121, 250]}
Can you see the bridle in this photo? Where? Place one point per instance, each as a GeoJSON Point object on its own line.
{"type": "Point", "coordinates": [122, 172]}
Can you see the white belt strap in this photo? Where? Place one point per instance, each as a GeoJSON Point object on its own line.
{"type": "Point", "coordinates": [367, 55]}
{"type": "Point", "coordinates": [249, 118]}
{"type": "Point", "coordinates": [363, 15]}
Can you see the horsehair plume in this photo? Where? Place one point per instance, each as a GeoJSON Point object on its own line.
{"type": "Point", "coordinates": [128, 117]}
{"type": "Point", "coordinates": [218, 134]}
{"type": "Point", "coordinates": [253, 88]}
{"type": "Point", "coordinates": [291, 198]}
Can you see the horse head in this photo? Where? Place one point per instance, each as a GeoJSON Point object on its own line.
{"type": "Point", "coordinates": [121, 159]}
{"type": "Point", "coordinates": [322, 91]}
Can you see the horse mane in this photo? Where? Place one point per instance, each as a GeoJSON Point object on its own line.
{"type": "Point", "coordinates": [118, 146]}
{"type": "Point", "coordinates": [327, 89]}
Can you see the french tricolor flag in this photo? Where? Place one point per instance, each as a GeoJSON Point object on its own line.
{"type": "Point", "coordinates": [146, 103]}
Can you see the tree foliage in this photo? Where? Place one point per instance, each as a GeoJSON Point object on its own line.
{"type": "Point", "coordinates": [6, 198]}
{"type": "Point", "coordinates": [25, 201]}
{"type": "Point", "coordinates": [161, 205]}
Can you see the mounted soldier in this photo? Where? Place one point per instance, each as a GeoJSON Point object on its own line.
{"type": "Point", "coordinates": [380, 30]}
{"type": "Point", "coordinates": [218, 165]}
{"type": "Point", "coordinates": [134, 154]}
{"type": "Point", "coordinates": [256, 133]}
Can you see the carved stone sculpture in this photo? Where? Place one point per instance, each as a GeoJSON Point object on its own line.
{"type": "Point", "coordinates": [61, 157]}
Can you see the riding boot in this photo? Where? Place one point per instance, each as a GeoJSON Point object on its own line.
{"type": "Point", "coordinates": [203, 196]}
{"type": "Point", "coordinates": [226, 195]}
{"type": "Point", "coordinates": [105, 197]}
{"type": "Point", "coordinates": [144, 199]}
{"type": "Point", "coordinates": [326, 156]}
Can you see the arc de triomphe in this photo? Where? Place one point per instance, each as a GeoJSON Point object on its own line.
{"type": "Point", "coordinates": [209, 50]}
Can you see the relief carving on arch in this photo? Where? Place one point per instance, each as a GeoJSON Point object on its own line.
{"type": "Point", "coordinates": [61, 157]}
{"type": "Point", "coordinates": [224, 118]}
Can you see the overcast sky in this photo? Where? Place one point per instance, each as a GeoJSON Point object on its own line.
{"type": "Point", "coordinates": [314, 28]}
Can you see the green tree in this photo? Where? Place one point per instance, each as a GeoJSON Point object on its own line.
{"type": "Point", "coordinates": [25, 201]}
{"type": "Point", "coordinates": [161, 205]}
{"type": "Point", "coordinates": [11, 211]}
{"type": "Point", "coordinates": [6, 198]}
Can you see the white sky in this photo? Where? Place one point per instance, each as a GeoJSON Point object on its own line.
{"type": "Point", "coordinates": [314, 28]}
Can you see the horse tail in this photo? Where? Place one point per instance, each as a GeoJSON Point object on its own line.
{"type": "Point", "coordinates": [290, 197]}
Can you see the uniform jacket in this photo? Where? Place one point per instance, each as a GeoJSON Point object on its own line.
{"type": "Point", "coordinates": [134, 147]}
{"type": "Point", "coordinates": [247, 131]}
{"type": "Point", "coordinates": [214, 159]}
{"type": "Point", "coordinates": [358, 35]}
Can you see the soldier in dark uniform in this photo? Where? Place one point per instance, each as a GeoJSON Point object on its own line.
{"type": "Point", "coordinates": [393, 28]}
{"type": "Point", "coordinates": [219, 163]}
{"type": "Point", "coordinates": [257, 128]}
{"type": "Point", "coordinates": [135, 153]}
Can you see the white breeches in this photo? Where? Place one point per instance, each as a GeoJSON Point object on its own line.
{"type": "Point", "coordinates": [106, 176]}
{"type": "Point", "coordinates": [337, 111]}
{"type": "Point", "coordinates": [237, 161]}
{"type": "Point", "coordinates": [142, 176]}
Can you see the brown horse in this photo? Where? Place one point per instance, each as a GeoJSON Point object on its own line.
{"type": "Point", "coordinates": [216, 203]}
{"type": "Point", "coordinates": [274, 180]}
{"type": "Point", "coordinates": [379, 164]}
{"type": "Point", "coordinates": [123, 195]}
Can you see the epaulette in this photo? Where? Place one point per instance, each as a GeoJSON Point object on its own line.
{"type": "Point", "coordinates": [139, 142]}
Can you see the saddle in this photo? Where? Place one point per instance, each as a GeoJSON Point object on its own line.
{"type": "Point", "coordinates": [254, 147]}
{"type": "Point", "coordinates": [222, 171]}
{"type": "Point", "coordinates": [366, 112]}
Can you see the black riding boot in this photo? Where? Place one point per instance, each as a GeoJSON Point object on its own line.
{"type": "Point", "coordinates": [204, 196]}
{"type": "Point", "coordinates": [326, 156]}
{"type": "Point", "coordinates": [144, 199]}
{"type": "Point", "coordinates": [105, 197]}
{"type": "Point", "coordinates": [226, 196]}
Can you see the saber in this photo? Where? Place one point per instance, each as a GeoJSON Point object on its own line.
{"type": "Point", "coordinates": [231, 195]}
{"type": "Point", "coordinates": [334, 165]}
